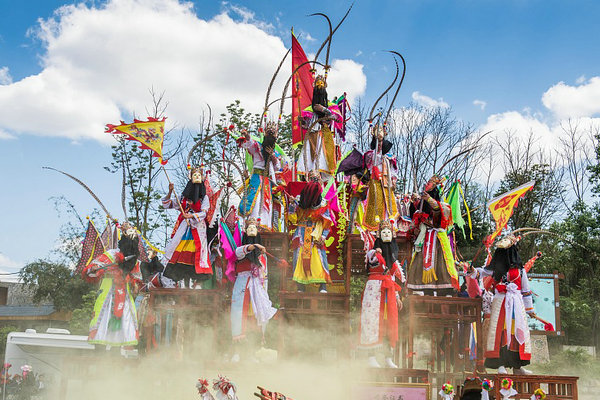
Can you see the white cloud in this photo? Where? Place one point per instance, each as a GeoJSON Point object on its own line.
{"type": "Point", "coordinates": [358, 53]}
{"type": "Point", "coordinates": [5, 78]}
{"type": "Point", "coordinates": [249, 17]}
{"type": "Point", "coordinates": [480, 103]}
{"type": "Point", "coordinates": [5, 135]}
{"type": "Point", "coordinates": [580, 80]}
{"type": "Point", "coordinates": [342, 72]}
{"type": "Point", "coordinates": [567, 101]}
{"type": "Point", "coordinates": [305, 36]}
{"type": "Point", "coordinates": [99, 63]}
{"type": "Point", "coordinates": [428, 101]}
{"type": "Point", "coordinates": [519, 123]}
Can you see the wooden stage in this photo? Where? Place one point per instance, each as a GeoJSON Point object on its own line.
{"type": "Point", "coordinates": [446, 324]}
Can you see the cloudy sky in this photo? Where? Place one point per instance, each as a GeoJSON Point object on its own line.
{"type": "Point", "coordinates": [68, 68]}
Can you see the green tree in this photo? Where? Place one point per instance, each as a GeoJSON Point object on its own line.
{"type": "Point", "coordinates": [55, 283]}
{"type": "Point", "coordinates": [142, 176]}
{"type": "Point", "coordinates": [81, 316]}
{"type": "Point", "coordinates": [4, 331]}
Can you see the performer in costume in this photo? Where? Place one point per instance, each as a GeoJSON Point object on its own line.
{"type": "Point", "coordinates": [313, 221]}
{"type": "Point", "coordinates": [381, 200]}
{"type": "Point", "coordinates": [257, 201]}
{"type": "Point", "coordinates": [357, 177]}
{"type": "Point", "coordinates": [250, 295]}
{"type": "Point", "coordinates": [358, 194]}
{"type": "Point", "coordinates": [432, 268]}
{"type": "Point", "coordinates": [318, 151]}
{"type": "Point", "coordinates": [508, 342]}
{"type": "Point", "coordinates": [114, 322]}
{"type": "Point", "coordinates": [187, 253]}
{"type": "Point", "coordinates": [380, 299]}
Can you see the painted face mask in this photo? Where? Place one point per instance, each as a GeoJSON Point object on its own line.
{"type": "Point", "coordinates": [251, 230]}
{"type": "Point", "coordinates": [197, 177]}
{"type": "Point", "coordinates": [386, 235]}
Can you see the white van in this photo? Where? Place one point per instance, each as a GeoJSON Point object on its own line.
{"type": "Point", "coordinates": [45, 352]}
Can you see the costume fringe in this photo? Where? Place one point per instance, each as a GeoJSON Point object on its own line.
{"type": "Point", "coordinates": [329, 146]}
{"type": "Point", "coordinates": [429, 275]}
{"type": "Point", "coordinates": [448, 257]}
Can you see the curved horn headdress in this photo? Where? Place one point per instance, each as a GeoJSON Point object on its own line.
{"type": "Point", "coordinates": [123, 194]}
{"type": "Point", "coordinates": [86, 188]}
{"type": "Point", "coordinates": [328, 40]}
{"type": "Point", "coordinates": [384, 92]}
{"type": "Point", "coordinates": [198, 144]}
{"type": "Point", "coordinates": [267, 104]}
{"type": "Point", "coordinates": [387, 114]}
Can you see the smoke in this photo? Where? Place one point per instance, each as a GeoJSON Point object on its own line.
{"type": "Point", "coordinates": [312, 366]}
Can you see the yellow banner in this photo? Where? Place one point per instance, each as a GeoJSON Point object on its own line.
{"type": "Point", "coordinates": [149, 134]}
{"type": "Point", "coordinates": [502, 206]}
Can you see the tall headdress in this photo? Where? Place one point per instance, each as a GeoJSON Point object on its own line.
{"type": "Point", "coordinates": [271, 128]}
{"type": "Point", "coordinates": [386, 223]}
{"type": "Point", "coordinates": [251, 221]}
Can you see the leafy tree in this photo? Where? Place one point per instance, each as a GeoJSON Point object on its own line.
{"type": "Point", "coordinates": [81, 316]}
{"type": "Point", "coordinates": [142, 175]}
{"type": "Point", "coordinates": [4, 331]}
{"type": "Point", "coordinates": [56, 283]}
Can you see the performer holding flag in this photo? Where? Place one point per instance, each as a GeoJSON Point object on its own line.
{"type": "Point", "coordinates": [507, 341]}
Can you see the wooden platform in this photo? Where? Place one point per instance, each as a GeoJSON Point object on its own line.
{"type": "Point", "coordinates": [556, 387]}
{"type": "Point", "coordinates": [443, 319]}
{"type": "Point", "coordinates": [179, 313]}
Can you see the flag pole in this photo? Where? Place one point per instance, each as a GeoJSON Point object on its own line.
{"type": "Point", "coordinates": [176, 198]}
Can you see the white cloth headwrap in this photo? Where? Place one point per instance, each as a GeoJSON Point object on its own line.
{"type": "Point", "coordinates": [446, 396]}
{"type": "Point", "coordinates": [506, 394]}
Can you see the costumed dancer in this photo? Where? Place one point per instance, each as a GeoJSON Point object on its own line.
{"type": "Point", "coordinates": [187, 254]}
{"type": "Point", "coordinates": [313, 220]}
{"type": "Point", "coordinates": [432, 269]}
{"type": "Point", "coordinates": [508, 343]}
{"type": "Point", "coordinates": [356, 208]}
{"type": "Point", "coordinates": [250, 295]}
{"type": "Point", "coordinates": [380, 300]}
{"type": "Point", "coordinates": [318, 151]}
{"type": "Point", "coordinates": [357, 177]}
{"type": "Point", "coordinates": [114, 322]}
{"type": "Point", "coordinates": [257, 201]}
{"type": "Point", "coordinates": [381, 200]}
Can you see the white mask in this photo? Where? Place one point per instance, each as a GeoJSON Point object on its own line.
{"type": "Point", "coordinates": [251, 230]}
{"type": "Point", "coordinates": [197, 177]}
{"type": "Point", "coordinates": [386, 235]}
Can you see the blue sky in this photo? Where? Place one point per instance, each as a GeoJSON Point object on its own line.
{"type": "Point", "coordinates": [509, 55]}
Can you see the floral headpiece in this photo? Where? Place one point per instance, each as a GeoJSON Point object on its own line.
{"type": "Point", "coordinates": [251, 221]}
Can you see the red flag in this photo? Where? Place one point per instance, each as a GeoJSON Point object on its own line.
{"type": "Point", "coordinates": [91, 235]}
{"type": "Point", "coordinates": [149, 134]}
{"type": "Point", "coordinates": [502, 208]}
{"type": "Point", "coordinates": [302, 88]}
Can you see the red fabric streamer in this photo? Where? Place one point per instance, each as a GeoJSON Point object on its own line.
{"type": "Point", "coordinates": [302, 88]}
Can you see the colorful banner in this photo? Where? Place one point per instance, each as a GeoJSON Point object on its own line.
{"type": "Point", "coordinates": [502, 207]}
{"type": "Point", "coordinates": [302, 88]}
{"type": "Point", "coordinates": [453, 199]}
{"type": "Point", "coordinates": [149, 134]}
